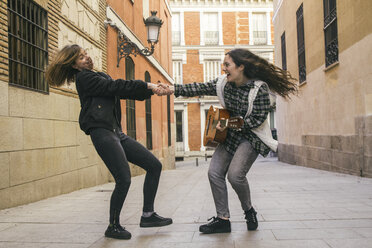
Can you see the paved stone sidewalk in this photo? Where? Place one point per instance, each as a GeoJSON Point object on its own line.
{"type": "Point", "coordinates": [298, 207]}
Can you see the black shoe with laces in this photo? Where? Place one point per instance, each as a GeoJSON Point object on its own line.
{"type": "Point", "coordinates": [251, 217]}
{"type": "Point", "coordinates": [217, 225]}
{"type": "Point", "coordinates": [155, 220]}
{"type": "Point", "coordinates": [116, 231]}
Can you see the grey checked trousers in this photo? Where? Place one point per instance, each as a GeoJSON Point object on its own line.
{"type": "Point", "coordinates": [236, 167]}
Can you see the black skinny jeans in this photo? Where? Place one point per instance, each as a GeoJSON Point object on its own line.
{"type": "Point", "coordinates": [116, 149]}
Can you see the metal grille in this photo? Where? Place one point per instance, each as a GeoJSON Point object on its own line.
{"type": "Point", "coordinates": [211, 37]}
{"type": "Point", "coordinates": [284, 52]}
{"type": "Point", "coordinates": [301, 44]}
{"type": "Point", "coordinates": [176, 37]}
{"type": "Point", "coordinates": [330, 32]}
{"type": "Point", "coordinates": [28, 44]}
{"type": "Point", "coordinates": [148, 116]}
{"type": "Point", "coordinates": [259, 37]}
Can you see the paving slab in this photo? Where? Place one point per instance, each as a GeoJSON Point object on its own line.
{"type": "Point", "coordinates": [297, 207]}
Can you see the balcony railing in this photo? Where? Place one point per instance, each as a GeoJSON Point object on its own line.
{"type": "Point", "coordinates": [176, 37]}
{"type": "Point", "coordinates": [211, 37]}
{"type": "Point", "coordinates": [259, 37]}
{"type": "Point", "coordinates": [332, 52]}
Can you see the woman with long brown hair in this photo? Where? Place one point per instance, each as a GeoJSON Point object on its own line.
{"type": "Point", "coordinates": [245, 72]}
{"type": "Point", "coordinates": [100, 117]}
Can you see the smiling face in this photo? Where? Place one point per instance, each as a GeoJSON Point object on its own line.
{"type": "Point", "coordinates": [234, 73]}
{"type": "Point", "coordinates": [83, 62]}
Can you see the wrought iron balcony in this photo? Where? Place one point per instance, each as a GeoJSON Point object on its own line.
{"type": "Point", "coordinates": [259, 37]}
{"type": "Point", "coordinates": [211, 38]}
{"type": "Point", "coordinates": [176, 38]}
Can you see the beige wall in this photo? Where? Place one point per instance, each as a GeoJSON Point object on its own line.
{"type": "Point", "coordinates": [331, 101]}
{"type": "Point", "coordinates": [333, 94]}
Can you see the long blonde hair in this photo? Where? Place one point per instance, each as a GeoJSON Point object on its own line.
{"type": "Point", "coordinates": [61, 70]}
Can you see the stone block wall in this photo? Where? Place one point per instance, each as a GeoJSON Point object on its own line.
{"type": "Point", "coordinates": [351, 154]}
{"type": "Point", "coordinates": [43, 152]}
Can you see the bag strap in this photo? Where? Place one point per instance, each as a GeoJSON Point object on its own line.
{"type": "Point", "coordinates": [220, 86]}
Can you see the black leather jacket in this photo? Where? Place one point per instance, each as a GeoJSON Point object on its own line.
{"type": "Point", "coordinates": [100, 98]}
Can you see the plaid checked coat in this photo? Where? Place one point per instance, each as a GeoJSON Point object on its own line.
{"type": "Point", "coordinates": [236, 101]}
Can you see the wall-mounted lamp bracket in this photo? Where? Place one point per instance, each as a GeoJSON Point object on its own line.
{"type": "Point", "coordinates": [126, 47]}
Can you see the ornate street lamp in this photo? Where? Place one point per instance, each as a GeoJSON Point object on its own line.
{"type": "Point", "coordinates": [126, 47]}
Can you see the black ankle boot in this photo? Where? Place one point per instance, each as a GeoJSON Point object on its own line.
{"type": "Point", "coordinates": [217, 225]}
{"type": "Point", "coordinates": [251, 217]}
{"type": "Point", "coordinates": [116, 231]}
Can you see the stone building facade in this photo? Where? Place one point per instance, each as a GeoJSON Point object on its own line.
{"type": "Point", "coordinates": [203, 31]}
{"type": "Point", "coordinates": [43, 152]}
{"type": "Point", "coordinates": [326, 45]}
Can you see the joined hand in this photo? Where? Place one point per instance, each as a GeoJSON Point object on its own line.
{"type": "Point", "coordinates": [161, 89]}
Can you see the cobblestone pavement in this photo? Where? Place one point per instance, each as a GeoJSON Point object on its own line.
{"type": "Point", "coordinates": [297, 207]}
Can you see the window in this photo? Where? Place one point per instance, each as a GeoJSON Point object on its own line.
{"type": "Point", "coordinates": [330, 32]}
{"type": "Point", "coordinates": [259, 28]}
{"type": "Point", "coordinates": [179, 131]}
{"type": "Point", "coordinates": [284, 52]}
{"type": "Point", "coordinates": [301, 44]}
{"type": "Point", "coordinates": [148, 116]}
{"type": "Point", "coordinates": [177, 72]}
{"type": "Point", "coordinates": [130, 104]}
{"type": "Point", "coordinates": [176, 29]}
{"type": "Point", "coordinates": [212, 69]}
{"type": "Point", "coordinates": [145, 8]}
{"type": "Point", "coordinates": [169, 121]}
{"type": "Point", "coordinates": [210, 25]}
{"type": "Point", "coordinates": [28, 44]}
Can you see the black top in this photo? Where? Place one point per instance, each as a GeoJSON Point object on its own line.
{"type": "Point", "coordinates": [100, 98]}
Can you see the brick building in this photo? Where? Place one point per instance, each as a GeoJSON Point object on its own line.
{"type": "Point", "coordinates": [43, 152]}
{"type": "Point", "coordinates": [203, 31]}
{"type": "Point", "coordinates": [150, 122]}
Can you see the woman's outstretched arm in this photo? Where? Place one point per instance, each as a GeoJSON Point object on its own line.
{"type": "Point", "coordinates": [89, 83]}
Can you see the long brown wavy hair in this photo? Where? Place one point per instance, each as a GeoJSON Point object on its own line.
{"type": "Point", "coordinates": [278, 80]}
{"type": "Point", "coordinates": [61, 70]}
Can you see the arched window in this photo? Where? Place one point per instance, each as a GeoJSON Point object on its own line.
{"type": "Point", "coordinates": [131, 104]}
{"type": "Point", "coordinates": [148, 116]}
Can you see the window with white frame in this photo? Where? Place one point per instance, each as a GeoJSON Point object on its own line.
{"type": "Point", "coordinates": [176, 29]}
{"type": "Point", "coordinates": [210, 26]}
{"type": "Point", "coordinates": [259, 28]}
{"type": "Point", "coordinates": [177, 71]}
{"type": "Point", "coordinates": [146, 8]}
{"type": "Point", "coordinates": [211, 69]}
